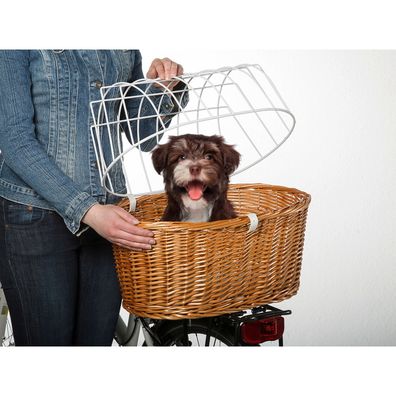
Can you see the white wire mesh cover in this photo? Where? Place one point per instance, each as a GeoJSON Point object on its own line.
{"type": "Point", "coordinates": [240, 103]}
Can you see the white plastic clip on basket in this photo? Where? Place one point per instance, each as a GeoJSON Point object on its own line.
{"type": "Point", "coordinates": [211, 268]}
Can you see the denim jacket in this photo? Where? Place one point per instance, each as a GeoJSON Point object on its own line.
{"type": "Point", "coordinates": [47, 158]}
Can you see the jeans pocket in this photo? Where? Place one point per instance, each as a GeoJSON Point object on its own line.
{"type": "Point", "coordinates": [23, 215]}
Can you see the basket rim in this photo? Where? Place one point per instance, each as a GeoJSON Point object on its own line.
{"type": "Point", "coordinates": [242, 220]}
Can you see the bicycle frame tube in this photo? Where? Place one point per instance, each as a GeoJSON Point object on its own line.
{"type": "Point", "coordinates": [128, 335]}
{"type": "Point", "coordinates": [3, 314]}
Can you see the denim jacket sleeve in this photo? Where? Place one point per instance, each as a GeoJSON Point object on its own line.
{"type": "Point", "coordinates": [146, 109]}
{"type": "Point", "coordinates": [22, 151]}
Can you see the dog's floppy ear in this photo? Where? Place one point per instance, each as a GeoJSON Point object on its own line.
{"type": "Point", "coordinates": [159, 157]}
{"type": "Point", "coordinates": [231, 158]}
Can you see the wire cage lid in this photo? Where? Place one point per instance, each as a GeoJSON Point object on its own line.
{"type": "Point", "coordinates": [240, 103]}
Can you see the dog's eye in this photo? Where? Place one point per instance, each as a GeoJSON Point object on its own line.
{"type": "Point", "coordinates": [182, 157]}
{"type": "Point", "coordinates": [208, 156]}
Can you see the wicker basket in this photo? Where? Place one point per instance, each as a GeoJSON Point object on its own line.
{"type": "Point", "coordinates": [207, 269]}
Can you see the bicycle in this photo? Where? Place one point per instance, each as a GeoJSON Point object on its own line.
{"type": "Point", "coordinates": [263, 324]}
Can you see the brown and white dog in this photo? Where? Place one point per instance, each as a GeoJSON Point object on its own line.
{"type": "Point", "coordinates": [196, 170]}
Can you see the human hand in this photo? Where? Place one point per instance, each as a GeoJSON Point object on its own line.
{"type": "Point", "coordinates": [165, 69]}
{"type": "Point", "coordinates": [119, 227]}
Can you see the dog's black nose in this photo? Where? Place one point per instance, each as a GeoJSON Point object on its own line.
{"type": "Point", "coordinates": [195, 170]}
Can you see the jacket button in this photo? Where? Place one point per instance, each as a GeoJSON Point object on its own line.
{"type": "Point", "coordinates": [98, 84]}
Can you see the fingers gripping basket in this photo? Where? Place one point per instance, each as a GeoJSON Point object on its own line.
{"type": "Point", "coordinates": [208, 269]}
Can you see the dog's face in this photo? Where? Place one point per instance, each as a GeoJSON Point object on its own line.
{"type": "Point", "coordinates": [196, 166]}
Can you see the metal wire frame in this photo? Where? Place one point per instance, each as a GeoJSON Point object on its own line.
{"type": "Point", "coordinates": [202, 108]}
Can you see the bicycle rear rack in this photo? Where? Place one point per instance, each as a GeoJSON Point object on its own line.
{"type": "Point", "coordinates": [261, 312]}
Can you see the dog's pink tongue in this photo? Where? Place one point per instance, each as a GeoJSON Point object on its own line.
{"type": "Point", "coordinates": [195, 191]}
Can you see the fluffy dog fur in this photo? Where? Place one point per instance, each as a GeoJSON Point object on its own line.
{"type": "Point", "coordinates": [196, 172]}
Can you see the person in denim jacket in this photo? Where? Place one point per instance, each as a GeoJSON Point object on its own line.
{"type": "Point", "coordinates": [60, 283]}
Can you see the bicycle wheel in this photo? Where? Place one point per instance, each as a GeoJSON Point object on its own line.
{"type": "Point", "coordinates": [196, 332]}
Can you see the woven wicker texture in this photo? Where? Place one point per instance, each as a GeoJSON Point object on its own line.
{"type": "Point", "coordinates": [208, 269]}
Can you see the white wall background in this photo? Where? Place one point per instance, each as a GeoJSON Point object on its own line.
{"type": "Point", "coordinates": [342, 152]}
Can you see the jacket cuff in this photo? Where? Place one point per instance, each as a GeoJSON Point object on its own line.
{"type": "Point", "coordinates": [161, 100]}
{"type": "Point", "coordinates": [168, 104]}
{"type": "Point", "coordinates": [76, 210]}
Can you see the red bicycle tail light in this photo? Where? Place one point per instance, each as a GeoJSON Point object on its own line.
{"type": "Point", "coordinates": [258, 331]}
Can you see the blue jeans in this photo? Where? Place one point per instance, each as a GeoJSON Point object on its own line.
{"type": "Point", "coordinates": [61, 289]}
